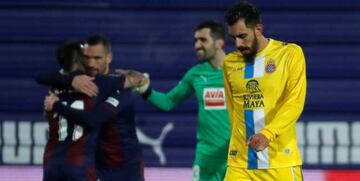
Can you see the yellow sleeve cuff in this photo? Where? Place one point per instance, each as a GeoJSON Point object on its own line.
{"type": "Point", "coordinates": [268, 134]}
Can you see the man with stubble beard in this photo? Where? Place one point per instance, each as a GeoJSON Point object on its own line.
{"type": "Point", "coordinates": [205, 80]}
{"type": "Point", "coordinates": [265, 85]}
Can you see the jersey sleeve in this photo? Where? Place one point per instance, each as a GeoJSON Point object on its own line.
{"type": "Point", "coordinates": [294, 98]}
{"type": "Point", "coordinates": [228, 95]}
{"type": "Point", "coordinates": [108, 84]}
{"type": "Point", "coordinates": [167, 101]}
{"type": "Point", "coordinates": [94, 118]}
{"type": "Point", "coordinates": [56, 79]}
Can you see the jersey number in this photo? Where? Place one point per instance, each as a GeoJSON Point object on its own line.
{"type": "Point", "coordinates": [63, 123]}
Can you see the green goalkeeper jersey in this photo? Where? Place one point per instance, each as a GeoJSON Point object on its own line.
{"type": "Point", "coordinates": [213, 130]}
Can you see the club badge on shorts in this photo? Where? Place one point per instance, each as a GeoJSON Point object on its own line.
{"type": "Point", "coordinates": [270, 66]}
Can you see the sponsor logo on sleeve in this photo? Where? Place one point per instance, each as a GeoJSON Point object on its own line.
{"type": "Point", "coordinates": [112, 101]}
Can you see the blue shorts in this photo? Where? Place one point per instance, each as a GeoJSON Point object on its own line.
{"type": "Point", "coordinates": [69, 173]}
{"type": "Point", "coordinates": [53, 173]}
{"type": "Point", "coordinates": [133, 172]}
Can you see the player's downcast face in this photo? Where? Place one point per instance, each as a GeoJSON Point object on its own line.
{"type": "Point", "coordinates": [245, 39]}
{"type": "Point", "coordinates": [96, 60]}
{"type": "Point", "coordinates": [204, 44]}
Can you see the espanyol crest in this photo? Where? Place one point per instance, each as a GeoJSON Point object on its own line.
{"type": "Point", "coordinates": [270, 66]}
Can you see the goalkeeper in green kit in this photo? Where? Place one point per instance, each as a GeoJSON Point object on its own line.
{"type": "Point", "coordinates": [206, 81]}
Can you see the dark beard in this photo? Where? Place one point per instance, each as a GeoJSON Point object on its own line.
{"type": "Point", "coordinates": [249, 58]}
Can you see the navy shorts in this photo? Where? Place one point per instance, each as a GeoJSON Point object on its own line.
{"type": "Point", "coordinates": [69, 173]}
{"type": "Point", "coordinates": [133, 172]}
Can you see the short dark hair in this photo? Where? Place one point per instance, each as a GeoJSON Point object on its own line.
{"type": "Point", "coordinates": [67, 54]}
{"type": "Point", "coordinates": [99, 39]}
{"type": "Point", "coordinates": [217, 30]}
{"type": "Point", "coordinates": [243, 10]}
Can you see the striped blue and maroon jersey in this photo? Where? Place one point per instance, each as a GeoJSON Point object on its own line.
{"type": "Point", "coordinates": [119, 144]}
{"type": "Point", "coordinates": [70, 141]}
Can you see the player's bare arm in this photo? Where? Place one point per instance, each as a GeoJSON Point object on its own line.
{"type": "Point", "coordinates": [85, 84]}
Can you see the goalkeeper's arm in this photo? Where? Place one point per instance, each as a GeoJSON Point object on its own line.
{"type": "Point", "coordinates": [166, 101]}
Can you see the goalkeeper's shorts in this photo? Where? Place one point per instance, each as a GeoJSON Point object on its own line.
{"type": "Point", "coordinates": [209, 168]}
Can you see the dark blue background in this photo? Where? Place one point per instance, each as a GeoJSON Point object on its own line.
{"type": "Point", "coordinates": [157, 37]}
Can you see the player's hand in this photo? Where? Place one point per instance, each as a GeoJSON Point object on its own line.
{"type": "Point", "coordinates": [134, 79]}
{"type": "Point", "coordinates": [85, 84]}
{"type": "Point", "coordinates": [121, 71]}
{"type": "Point", "coordinates": [143, 88]}
{"type": "Point", "coordinates": [49, 101]}
{"type": "Point", "coordinates": [258, 142]}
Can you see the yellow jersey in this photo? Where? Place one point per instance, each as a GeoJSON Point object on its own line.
{"type": "Point", "coordinates": [266, 96]}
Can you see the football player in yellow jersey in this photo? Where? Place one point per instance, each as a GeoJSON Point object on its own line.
{"type": "Point", "coordinates": [265, 86]}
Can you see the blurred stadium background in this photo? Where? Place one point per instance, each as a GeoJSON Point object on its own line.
{"type": "Point", "coordinates": [156, 36]}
